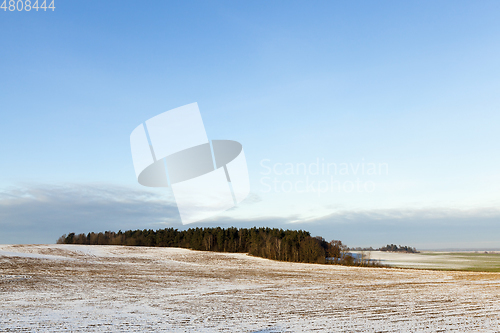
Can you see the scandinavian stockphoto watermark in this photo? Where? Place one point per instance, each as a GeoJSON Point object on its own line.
{"type": "Point", "coordinates": [320, 176]}
{"type": "Point", "coordinates": [206, 177]}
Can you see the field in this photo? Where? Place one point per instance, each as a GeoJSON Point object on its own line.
{"type": "Point", "coordinates": [476, 261]}
{"type": "Point", "coordinates": [136, 289]}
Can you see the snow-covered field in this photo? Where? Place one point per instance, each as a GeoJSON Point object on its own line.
{"type": "Point", "coordinates": [465, 260]}
{"type": "Point", "coordinates": [137, 289]}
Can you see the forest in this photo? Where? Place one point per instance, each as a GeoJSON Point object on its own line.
{"type": "Point", "coordinates": [270, 243]}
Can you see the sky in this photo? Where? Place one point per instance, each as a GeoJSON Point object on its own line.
{"type": "Point", "coordinates": [372, 123]}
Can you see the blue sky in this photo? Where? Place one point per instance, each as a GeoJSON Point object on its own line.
{"type": "Point", "coordinates": [412, 85]}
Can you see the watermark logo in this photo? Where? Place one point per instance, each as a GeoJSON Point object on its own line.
{"type": "Point", "coordinates": [206, 177]}
{"type": "Point", "coordinates": [320, 177]}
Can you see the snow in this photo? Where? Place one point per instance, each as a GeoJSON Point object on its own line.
{"type": "Point", "coordinates": [435, 260]}
{"type": "Point", "coordinates": [141, 289]}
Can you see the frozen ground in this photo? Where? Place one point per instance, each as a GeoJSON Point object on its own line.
{"type": "Point", "coordinates": [465, 260]}
{"type": "Point", "coordinates": [136, 289]}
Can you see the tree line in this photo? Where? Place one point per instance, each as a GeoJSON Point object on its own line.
{"type": "Point", "coordinates": [270, 243]}
{"type": "Point", "coordinates": [387, 248]}
{"type": "Point", "coordinates": [396, 248]}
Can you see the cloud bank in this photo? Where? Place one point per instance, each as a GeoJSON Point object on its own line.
{"type": "Point", "coordinates": [42, 213]}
